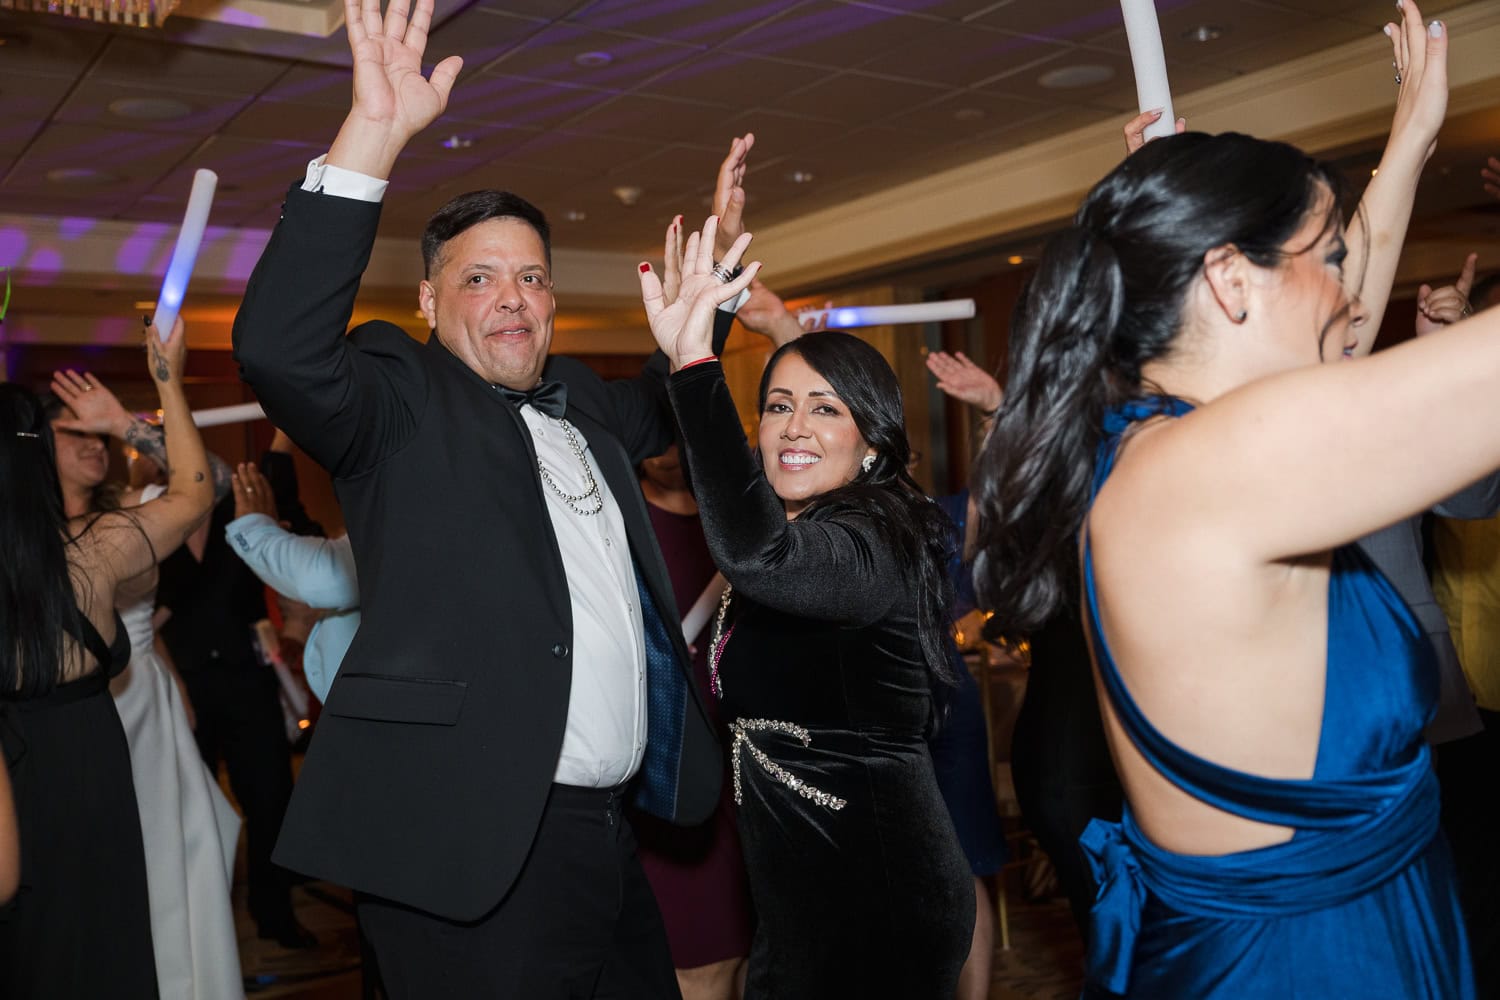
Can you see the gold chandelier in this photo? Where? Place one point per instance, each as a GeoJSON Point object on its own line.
{"type": "Point", "coordinates": [141, 13]}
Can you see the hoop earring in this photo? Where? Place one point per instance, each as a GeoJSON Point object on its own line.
{"type": "Point", "coordinates": [868, 463]}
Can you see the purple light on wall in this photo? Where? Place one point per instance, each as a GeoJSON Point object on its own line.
{"type": "Point", "coordinates": [76, 227]}
{"type": "Point", "coordinates": [45, 264]}
{"type": "Point", "coordinates": [136, 251]}
{"type": "Point", "coordinates": [240, 18]}
{"type": "Point", "coordinates": [12, 245]}
{"type": "Point", "coordinates": [112, 331]}
{"type": "Point", "coordinates": [245, 254]}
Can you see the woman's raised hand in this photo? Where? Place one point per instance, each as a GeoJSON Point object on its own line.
{"type": "Point", "coordinates": [1419, 58]}
{"type": "Point", "coordinates": [683, 328]}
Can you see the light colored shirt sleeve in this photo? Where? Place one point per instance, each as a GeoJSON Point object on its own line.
{"type": "Point", "coordinates": [319, 572]}
{"type": "Point", "coordinates": [342, 183]}
{"type": "Point", "coordinates": [326, 645]}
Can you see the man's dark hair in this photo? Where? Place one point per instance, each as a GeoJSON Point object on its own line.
{"type": "Point", "coordinates": [468, 210]}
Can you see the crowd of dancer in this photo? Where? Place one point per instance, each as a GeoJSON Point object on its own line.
{"type": "Point", "coordinates": [537, 786]}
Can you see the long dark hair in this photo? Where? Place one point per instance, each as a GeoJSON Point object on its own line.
{"type": "Point", "coordinates": [37, 603]}
{"type": "Point", "coordinates": [911, 521]}
{"type": "Point", "coordinates": [1107, 299]}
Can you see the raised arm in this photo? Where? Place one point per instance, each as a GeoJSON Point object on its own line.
{"type": "Point", "coordinates": [1378, 229]}
{"type": "Point", "coordinates": [99, 411]}
{"type": "Point", "coordinates": [130, 542]}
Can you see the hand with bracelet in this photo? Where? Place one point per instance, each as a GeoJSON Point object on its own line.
{"type": "Point", "coordinates": [683, 327]}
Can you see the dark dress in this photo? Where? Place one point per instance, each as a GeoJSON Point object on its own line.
{"type": "Point", "coordinates": [1361, 901]}
{"type": "Point", "coordinates": [859, 883]}
{"type": "Point", "coordinates": [80, 925]}
{"type": "Point", "coordinates": [696, 872]}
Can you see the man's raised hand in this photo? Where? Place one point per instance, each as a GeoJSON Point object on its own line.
{"type": "Point", "coordinates": [392, 100]}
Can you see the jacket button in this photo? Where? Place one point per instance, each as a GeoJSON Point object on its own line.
{"type": "Point", "coordinates": [559, 650]}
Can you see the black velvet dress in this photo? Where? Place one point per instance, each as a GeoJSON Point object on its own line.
{"type": "Point", "coordinates": [859, 883]}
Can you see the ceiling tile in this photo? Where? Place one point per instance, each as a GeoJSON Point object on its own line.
{"type": "Point", "coordinates": [950, 10]}
{"type": "Point", "coordinates": [243, 166]}
{"type": "Point", "coordinates": [967, 113]}
{"type": "Point", "coordinates": [134, 60]}
{"type": "Point", "coordinates": [1061, 20]}
{"type": "Point", "coordinates": [962, 55]}
{"type": "Point", "coordinates": [31, 99]}
{"type": "Point", "coordinates": [89, 104]}
{"type": "Point", "coordinates": [33, 46]}
{"type": "Point", "coordinates": [544, 9]}
{"type": "Point", "coordinates": [856, 100]}
{"type": "Point", "coordinates": [486, 141]}
{"type": "Point", "coordinates": [1116, 93]}
{"type": "Point", "coordinates": [593, 154]}
{"type": "Point", "coordinates": [676, 167]}
{"type": "Point", "coordinates": [832, 35]}
{"type": "Point", "coordinates": [313, 85]}
{"type": "Point", "coordinates": [287, 122]}
{"type": "Point", "coordinates": [1251, 36]}
{"type": "Point", "coordinates": [709, 24]}
{"type": "Point", "coordinates": [779, 135]}
{"type": "Point", "coordinates": [552, 54]}
{"type": "Point", "coordinates": [137, 158]}
{"type": "Point", "coordinates": [481, 38]}
{"type": "Point", "coordinates": [653, 118]}
{"type": "Point", "coordinates": [506, 100]}
{"type": "Point", "coordinates": [725, 75]}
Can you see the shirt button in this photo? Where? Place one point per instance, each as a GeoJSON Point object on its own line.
{"type": "Point", "coordinates": [608, 543]}
{"type": "Point", "coordinates": [559, 650]}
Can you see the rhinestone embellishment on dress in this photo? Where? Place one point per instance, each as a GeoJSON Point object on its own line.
{"type": "Point", "coordinates": [742, 728]}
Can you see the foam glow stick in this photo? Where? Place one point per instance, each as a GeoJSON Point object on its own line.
{"type": "Point", "coordinates": [185, 254]}
{"type": "Point", "coordinates": [1151, 89]}
{"type": "Point", "coordinates": [697, 616]}
{"type": "Point", "coordinates": [845, 317]}
{"type": "Point", "coordinates": [228, 415]}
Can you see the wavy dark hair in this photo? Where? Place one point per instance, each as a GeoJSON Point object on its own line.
{"type": "Point", "coordinates": [37, 603]}
{"type": "Point", "coordinates": [1106, 299]}
{"type": "Point", "coordinates": [886, 493]}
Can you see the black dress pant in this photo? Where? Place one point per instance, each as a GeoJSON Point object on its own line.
{"type": "Point", "coordinates": [579, 922]}
{"type": "Point", "coordinates": [240, 723]}
{"type": "Point", "coordinates": [1467, 771]}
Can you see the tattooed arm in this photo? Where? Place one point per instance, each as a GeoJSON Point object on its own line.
{"type": "Point", "coordinates": [98, 411]}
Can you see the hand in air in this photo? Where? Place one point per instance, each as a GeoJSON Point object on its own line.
{"type": "Point", "coordinates": [683, 328]}
{"type": "Point", "coordinates": [252, 492]}
{"type": "Point", "coordinates": [729, 194]}
{"type": "Point", "coordinates": [1135, 129]}
{"type": "Point", "coordinates": [1420, 66]}
{"type": "Point", "coordinates": [1449, 304]}
{"type": "Point", "coordinates": [965, 381]}
{"type": "Point", "coordinates": [97, 409]}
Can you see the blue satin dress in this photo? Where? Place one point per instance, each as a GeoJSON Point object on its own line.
{"type": "Point", "coordinates": [1361, 901]}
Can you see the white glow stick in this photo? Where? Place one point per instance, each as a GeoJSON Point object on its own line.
{"type": "Point", "coordinates": [845, 317]}
{"type": "Point", "coordinates": [1151, 89]}
{"type": "Point", "coordinates": [697, 616]}
{"type": "Point", "coordinates": [185, 254]}
{"type": "Point", "coordinates": [228, 415]}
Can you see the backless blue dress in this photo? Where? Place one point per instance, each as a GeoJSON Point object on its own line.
{"type": "Point", "coordinates": [1361, 901]}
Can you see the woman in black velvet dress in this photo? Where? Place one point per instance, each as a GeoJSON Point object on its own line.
{"type": "Point", "coordinates": [825, 656]}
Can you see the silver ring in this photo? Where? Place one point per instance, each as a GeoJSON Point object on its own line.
{"type": "Point", "coordinates": [249, 489]}
{"type": "Point", "coordinates": [88, 387]}
{"type": "Point", "coordinates": [1398, 79]}
{"type": "Point", "coordinates": [723, 273]}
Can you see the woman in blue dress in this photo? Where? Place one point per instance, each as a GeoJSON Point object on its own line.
{"type": "Point", "coordinates": [1180, 400]}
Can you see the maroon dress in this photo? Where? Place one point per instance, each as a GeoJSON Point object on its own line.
{"type": "Point", "coordinates": [697, 872]}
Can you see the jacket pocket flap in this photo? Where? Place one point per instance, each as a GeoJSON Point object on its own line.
{"type": "Point", "coordinates": [388, 698]}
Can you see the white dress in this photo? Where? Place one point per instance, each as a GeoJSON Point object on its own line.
{"type": "Point", "coordinates": [189, 827]}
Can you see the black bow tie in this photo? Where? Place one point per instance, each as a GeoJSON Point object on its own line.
{"type": "Point", "coordinates": [550, 398]}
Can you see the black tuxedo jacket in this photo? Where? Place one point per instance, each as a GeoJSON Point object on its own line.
{"type": "Point", "coordinates": [436, 748]}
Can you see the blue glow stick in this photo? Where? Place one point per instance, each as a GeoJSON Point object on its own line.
{"type": "Point", "coordinates": [185, 254]}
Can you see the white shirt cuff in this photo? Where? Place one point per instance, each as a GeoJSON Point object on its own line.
{"type": "Point", "coordinates": [342, 183]}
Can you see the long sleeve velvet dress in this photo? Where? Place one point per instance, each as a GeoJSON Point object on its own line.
{"type": "Point", "coordinates": [859, 883]}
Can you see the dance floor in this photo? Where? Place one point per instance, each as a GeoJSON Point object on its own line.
{"type": "Point", "coordinates": [1042, 964]}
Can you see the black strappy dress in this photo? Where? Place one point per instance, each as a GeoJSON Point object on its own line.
{"type": "Point", "coordinates": [80, 924]}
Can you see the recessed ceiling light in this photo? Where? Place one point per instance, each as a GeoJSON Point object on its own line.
{"type": "Point", "coordinates": [80, 176]}
{"type": "Point", "coordinates": [1081, 75]}
{"type": "Point", "coordinates": [1204, 33]}
{"type": "Point", "coordinates": [593, 60]}
{"type": "Point", "coordinates": [458, 142]}
{"type": "Point", "coordinates": [150, 109]}
{"type": "Point", "coordinates": [574, 215]}
{"type": "Point", "coordinates": [970, 114]}
{"type": "Point", "coordinates": [628, 194]}
{"type": "Point", "coordinates": [799, 176]}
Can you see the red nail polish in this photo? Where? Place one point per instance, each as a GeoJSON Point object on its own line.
{"type": "Point", "coordinates": [645, 268]}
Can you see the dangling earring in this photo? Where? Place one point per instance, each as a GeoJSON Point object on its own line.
{"type": "Point", "coordinates": [868, 463]}
{"type": "Point", "coordinates": [1240, 316]}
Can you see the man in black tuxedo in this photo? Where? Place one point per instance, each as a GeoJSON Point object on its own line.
{"type": "Point", "coordinates": [467, 771]}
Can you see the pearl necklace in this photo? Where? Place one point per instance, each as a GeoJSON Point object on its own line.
{"type": "Point", "coordinates": [588, 475]}
{"type": "Point", "coordinates": [720, 638]}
